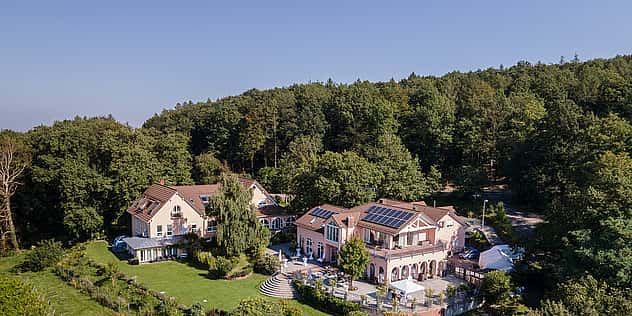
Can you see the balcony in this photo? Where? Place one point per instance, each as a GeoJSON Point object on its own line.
{"type": "Point", "coordinates": [408, 251]}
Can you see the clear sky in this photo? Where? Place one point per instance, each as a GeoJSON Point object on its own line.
{"type": "Point", "coordinates": [134, 58]}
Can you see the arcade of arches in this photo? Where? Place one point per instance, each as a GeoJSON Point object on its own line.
{"type": "Point", "coordinates": [418, 271]}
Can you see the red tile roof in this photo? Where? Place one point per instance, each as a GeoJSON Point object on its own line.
{"type": "Point", "coordinates": [316, 223]}
{"type": "Point", "coordinates": [151, 201]}
{"type": "Point", "coordinates": [406, 205]}
{"type": "Point", "coordinates": [191, 194]}
{"type": "Point", "coordinates": [342, 215]}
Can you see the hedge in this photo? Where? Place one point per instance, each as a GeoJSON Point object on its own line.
{"type": "Point", "coordinates": [324, 301]}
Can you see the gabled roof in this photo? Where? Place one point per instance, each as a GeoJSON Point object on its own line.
{"type": "Point", "coordinates": [152, 200]}
{"type": "Point", "coordinates": [411, 216]}
{"type": "Point", "coordinates": [361, 215]}
{"type": "Point", "coordinates": [191, 194]}
{"type": "Point", "coordinates": [250, 182]}
{"type": "Point", "coordinates": [437, 213]}
{"type": "Point", "coordinates": [317, 222]}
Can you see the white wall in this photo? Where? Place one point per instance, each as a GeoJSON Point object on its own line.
{"type": "Point", "coordinates": [163, 217]}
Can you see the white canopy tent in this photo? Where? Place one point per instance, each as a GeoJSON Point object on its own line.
{"type": "Point", "coordinates": [406, 286]}
{"type": "Point", "coordinates": [496, 258]}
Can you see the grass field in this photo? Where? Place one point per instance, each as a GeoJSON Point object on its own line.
{"type": "Point", "coordinates": [65, 299]}
{"type": "Point", "coordinates": [189, 284]}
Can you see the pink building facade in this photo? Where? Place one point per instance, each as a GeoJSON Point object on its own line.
{"type": "Point", "coordinates": [403, 239]}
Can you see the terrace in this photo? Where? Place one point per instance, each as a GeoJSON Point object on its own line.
{"type": "Point", "coordinates": [409, 251]}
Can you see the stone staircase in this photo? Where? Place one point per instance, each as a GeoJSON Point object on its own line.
{"type": "Point", "coordinates": [279, 286]}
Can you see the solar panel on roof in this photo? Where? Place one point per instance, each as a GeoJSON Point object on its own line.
{"type": "Point", "coordinates": [320, 212]}
{"type": "Point", "coordinates": [387, 216]}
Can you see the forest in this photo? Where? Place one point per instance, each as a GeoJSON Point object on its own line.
{"type": "Point", "coordinates": [559, 135]}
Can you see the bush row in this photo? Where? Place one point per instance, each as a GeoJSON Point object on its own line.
{"type": "Point", "coordinates": [323, 301]}
{"type": "Point", "coordinates": [124, 296]}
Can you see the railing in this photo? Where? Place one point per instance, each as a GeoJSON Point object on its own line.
{"type": "Point", "coordinates": [408, 251]}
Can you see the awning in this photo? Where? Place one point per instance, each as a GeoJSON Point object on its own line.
{"type": "Point", "coordinates": [407, 286]}
{"type": "Point", "coordinates": [137, 243]}
{"type": "Point", "coordinates": [496, 258]}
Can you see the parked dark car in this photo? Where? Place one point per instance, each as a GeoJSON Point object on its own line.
{"type": "Point", "coordinates": [118, 245]}
{"type": "Point", "coordinates": [466, 251]}
{"type": "Point", "coordinates": [472, 255]}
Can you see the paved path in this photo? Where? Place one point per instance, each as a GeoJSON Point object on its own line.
{"type": "Point", "coordinates": [521, 220]}
{"type": "Point", "coordinates": [488, 231]}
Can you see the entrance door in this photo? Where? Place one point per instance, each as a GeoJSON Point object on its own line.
{"type": "Point", "coordinates": [333, 254]}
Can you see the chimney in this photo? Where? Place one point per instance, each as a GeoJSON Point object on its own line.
{"type": "Point", "coordinates": [162, 182]}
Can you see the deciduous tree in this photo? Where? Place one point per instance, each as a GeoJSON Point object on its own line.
{"type": "Point", "coordinates": [353, 258]}
{"type": "Point", "coordinates": [14, 159]}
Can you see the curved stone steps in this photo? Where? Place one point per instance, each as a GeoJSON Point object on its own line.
{"type": "Point", "coordinates": [279, 286]}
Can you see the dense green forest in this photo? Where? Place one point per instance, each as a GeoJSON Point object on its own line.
{"type": "Point", "coordinates": [560, 135]}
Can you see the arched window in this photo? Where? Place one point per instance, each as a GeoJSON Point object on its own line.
{"type": "Point", "coordinates": [265, 222]}
{"type": "Point", "coordinates": [395, 274]}
{"type": "Point", "coordinates": [176, 212]}
{"type": "Point", "coordinates": [404, 272]}
{"type": "Point", "coordinates": [277, 223]}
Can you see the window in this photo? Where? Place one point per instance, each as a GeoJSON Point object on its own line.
{"type": "Point", "coordinates": [450, 224]}
{"type": "Point", "coordinates": [412, 238]}
{"type": "Point", "coordinates": [290, 220]}
{"type": "Point", "coordinates": [308, 249]}
{"type": "Point", "coordinates": [265, 222]}
{"type": "Point", "coordinates": [320, 251]}
{"type": "Point", "coordinates": [194, 228]}
{"type": "Point", "coordinates": [205, 199]}
{"type": "Point", "coordinates": [277, 223]}
{"type": "Point", "coordinates": [422, 236]}
{"type": "Point", "coordinates": [176, 212]}
{"type": "Point", "coordinates": [331, 232]}
{"type": "Point", "coordinates": [159, 230]}
{"type": "Point", "coordinates": [211, 226]}
{"type": "Point", "coordinates": [169, 229]}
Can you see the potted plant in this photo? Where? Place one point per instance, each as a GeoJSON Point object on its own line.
{"type": "Point", "coordinates": [429, 297]}
{"type": "Point", "coordinates": [380, 295]}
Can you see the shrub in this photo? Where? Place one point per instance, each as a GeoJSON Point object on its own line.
{"type": "Point", "coordinates": [19, 298]}
{"type": "Point", "coordinates": [260, 306]}
{"type": "Point", "coordinates": [46, 254]}
{"type": "Point", "coordinates": [222, 267]}
{"type": "Point", "coordinates": [267, 265]}
{"type": "Point", "coordinates": [323, 301]}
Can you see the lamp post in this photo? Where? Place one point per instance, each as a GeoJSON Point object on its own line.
{"type": "Point", "coordinates": [483, 221]}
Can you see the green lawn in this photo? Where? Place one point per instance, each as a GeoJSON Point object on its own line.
{"type": "Point", "coordinates": [66, 300]}
{"type": "Point", "coordinates": [188, 284]}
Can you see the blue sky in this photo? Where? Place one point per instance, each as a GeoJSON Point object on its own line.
{"type": "Point", "coordinates": [132, 59]}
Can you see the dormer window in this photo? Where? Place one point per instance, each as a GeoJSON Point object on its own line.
{"type": "Point", "coordinates": [205, 199]}
{"type": "Point", "coordinates": [332, 232]}
{"type": "Point", "coordinates": [176, 212]}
